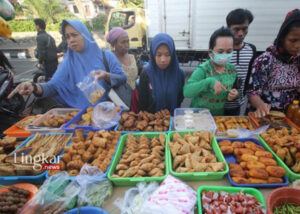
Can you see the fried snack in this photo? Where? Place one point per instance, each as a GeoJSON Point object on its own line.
{"type": "Point", "coordinates": [235, 166]}
{"type": "Point", "coordinates": [226, 150]}
{"type": "Point", "coordinates": [241, 151]}
{"type": "Point", "coordinates": [240, 180]}
{"type": "Point", "coordinates": [225, 143]}
{"type": "Point", "coordinates": [95, 96]}
{"type": "Point", "coordinates": [275, 180]}
{"type": "Point", "coordinates": [263, 154]}
{"type": "Point", "coordinates": [253, 146]}
{"type": "Point", "coordinates": [243, 164]}
{"type": "Point", "coordinates": [73, 172]}
{"type": "Point", "coordinates": [247, 157]}
{"type": "Point", "coordinates": [237, 173]}
{"type": "Point", "coordinates": [255, 164]}
{"type": "Point", "coordinates": [259, 173]}
{"type": "Point", "coordinates": [237, 144]}
{"type": "Point", "coordinates": [257, 181]}
{"type": "Point", "coordinates": [267, 161]}
{"type": "Point", "coordinates": [276, 171]}
{"type": "Point", "coordinates": [66, 157]}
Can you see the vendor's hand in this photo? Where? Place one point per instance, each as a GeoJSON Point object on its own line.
{"type": "Point", "coordinates": [233, 93]}
{"type": "Point", "coordinates": [218, 87]}
{"type": "Point", "coordinates": [262, 110]}
{"type": "Point", "coordinates": [100, 74]}
{"type": "Point", "coordinates": [24, 88]}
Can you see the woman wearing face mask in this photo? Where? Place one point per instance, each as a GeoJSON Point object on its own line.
{"type": "Point", "coordinates": [275, 79]}
{"type": "Point", "coordinates": [162, 81]}
{"type": "Point", "coordinates": [212, 83]}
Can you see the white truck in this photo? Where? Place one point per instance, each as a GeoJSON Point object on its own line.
{"type": "Point", "coordinates": [191, 22]}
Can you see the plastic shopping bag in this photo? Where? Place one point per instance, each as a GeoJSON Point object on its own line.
{"type": "Point", "coordinates": [95, 189]}
{"type": "Point", "coordinates": [91, 88]}
{"type": "Point", "coordinates": [54, 196]}
{"type": "Point", "coordinates": [105, 115]}
{"type": "Point", "coordinates": [135, 198]}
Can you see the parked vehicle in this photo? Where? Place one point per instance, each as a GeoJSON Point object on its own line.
{"type": "Point", "coordinates": [191, 22]}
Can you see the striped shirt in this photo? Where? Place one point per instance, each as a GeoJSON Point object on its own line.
{"type": "Point", "coordinates": [241, 60]}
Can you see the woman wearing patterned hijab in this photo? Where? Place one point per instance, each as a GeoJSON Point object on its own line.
{"type": "Point", "coordinates": [161, 83]}
{"type": "Point", "coordinates": [275, 78]}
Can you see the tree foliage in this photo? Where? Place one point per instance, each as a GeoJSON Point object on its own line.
{"type": "Point", "coordinates": [132, 3]}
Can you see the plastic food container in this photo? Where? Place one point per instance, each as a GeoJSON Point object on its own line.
{"type": "Point", "coordinates": [71, 126]}
{"type": "Point", "coordinates": [194, 118]}
{"type": "Point", "coordinates": [232, 159]}
{"type": "Point", "coordinates": [286, 120]}
{"type": "Point", "coordinates": [34, 179]}
{"type": "Point", "coordinates": [37, 125]}
{"type": "Point", "coordinates": [237, 118]}
{"type": "Point", "coordinates": [292, 176]}
{"type": "Point", "coordinates": [252, 191]}
{"type": "Point", "coordinates": [281, 196]}
{"type": "Point", "coordinates": [131, 181]}
{"type": "Point", "coordinates": [87, 210]}
{"type": "Point", "coordinates": [15, 131]}
{"type": "Point", "coordinates": [108, 168]}
{"type": "Point", "coordinates": [196, 176]}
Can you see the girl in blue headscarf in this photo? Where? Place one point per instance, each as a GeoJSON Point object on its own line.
{"type": "Point", "coordinates": [82, 57]}
{"type": "Point", "coordinates": [161, 83]}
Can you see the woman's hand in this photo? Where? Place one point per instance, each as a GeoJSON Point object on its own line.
{"type": "Point", "coordinates": [262, 110]}
{"type": "Point", "coordinates": [24, 88]}
{"type": "Point", "coordinates": [100, 74]}
{"type": "Point", "coordinates": [218, 87]}
{"type": "Point", "coordinates": [233, 93]}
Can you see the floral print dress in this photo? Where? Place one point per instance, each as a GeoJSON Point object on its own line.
{"type": "Point", "coordinates": [275, 81]}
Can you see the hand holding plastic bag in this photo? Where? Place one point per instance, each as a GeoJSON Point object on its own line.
{"type": "Point", "coordinates": [91, 88]}
{"type": "Point", "coordinates": [95, 189]}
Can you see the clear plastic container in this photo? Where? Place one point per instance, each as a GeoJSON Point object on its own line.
{"type": "Point", "coordinates": [194, 118]}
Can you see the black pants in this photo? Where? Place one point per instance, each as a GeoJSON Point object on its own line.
{"type": "Point", "coordinates": [50, 68]}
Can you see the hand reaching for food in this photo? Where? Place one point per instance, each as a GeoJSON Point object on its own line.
{"type": "Point", "coordinates": [218, 87]}
{"type": "Point", "coordinates": [233, 93]}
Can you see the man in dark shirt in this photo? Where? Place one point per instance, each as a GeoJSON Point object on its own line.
{"type": "Point", "coordinates": [46, 49]}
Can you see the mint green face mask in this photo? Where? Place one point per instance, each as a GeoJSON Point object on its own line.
{"type": "Point", "coordinates": [221, 59]}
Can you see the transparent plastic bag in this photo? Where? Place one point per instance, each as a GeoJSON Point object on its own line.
{"type": "Point", "coordinates": [91, 88]}
{"type": "Point", "coordinates": [7, 11]}
{"type": "Point", "coordinates": [135, 197]}
{"type": "Point", "coordinates": [246, 133]}
{"type": "Point", "coordinates": [54, 195]}
{"type": "Point", "coordinates": [95, 189]}
{"type": "Point", "coordinates": [105, 115]}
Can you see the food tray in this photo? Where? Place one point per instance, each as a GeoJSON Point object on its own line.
{"type": "Point", "coordinates": [194, 118]}
{"type": "Point", "coordinates": [102, 175]}
{"type": "Point", "coordinates": [231, 158]}
{"type": "Point", "coordinates": [131, 181]}
{"type": "Point", "coordinates": [38, 122]}
{"type": "Point", "coordinates": [292, 176]}
{"type": "Point", "coordinates": [127, 132]}
{"type": "Point", "coordinates": [224, 134]}
{"type": "Point", "coordinates": [286, 120]}
{"type": "Point", "coordinates": [87, 210]}
{"type": "Point", "coordinates": [196, 176]}
{"type": "Point", "coordinates": [34, 179]}
{"type": "Point", "coordinates": [252, 191]}
{"type": "Point", "coordinates": [67, 127]}
{"type": "Point", "coordinates": [15, 131]}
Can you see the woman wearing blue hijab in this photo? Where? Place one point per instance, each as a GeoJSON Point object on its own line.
{"type": "Point", "coordinates": [82, 57]}
{"type": "Point", "coordinates": [161, 83]}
